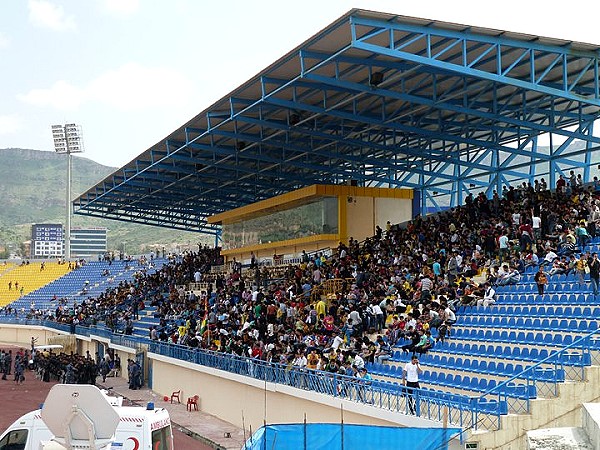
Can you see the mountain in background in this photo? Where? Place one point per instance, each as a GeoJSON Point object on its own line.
{"type": "Point", "coordinates": [33, 190]}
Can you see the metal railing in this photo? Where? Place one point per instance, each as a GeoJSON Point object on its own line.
{"type": "Point", "coordinates": [129, 341]}
{"type": "Point", "coordinates": [460, 410]}
{"type": "Point", "coordinates": [542, 378]}
{"type": "Point", "coordinates": [478, 412]}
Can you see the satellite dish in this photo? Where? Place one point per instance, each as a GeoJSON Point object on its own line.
{"type": "Point", "coordinates": [80, 416]}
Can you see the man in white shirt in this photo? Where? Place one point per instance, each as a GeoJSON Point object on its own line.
{"type": "Point", "coordinates": [337, 341]}
{"type": "Point", "coordinates": [410, 379]}
{"type": "Point", "coordinates": [358, 362]}
{"type": "Point", "coordinates": [549, 258]}
{"type": "Point", "coordinates": [536, 225]}
{"type": "Point", "coordinates": [356, 319]}
{"type": "Point", "coordinates": [378, 313]}
{"type": "Point", "coordinates": [300, 360]}
{"type": "Point", "coordinates": [503, 246]}
{"type": "Point", "coordinates": [488, 296]}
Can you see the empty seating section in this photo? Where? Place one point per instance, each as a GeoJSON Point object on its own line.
{"type": "Point", "coordinates": [27, 278]}
{"type": "Point", "coordinates": [89, 280]}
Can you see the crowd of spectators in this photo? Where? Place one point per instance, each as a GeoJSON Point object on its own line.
{"type": "Point", "coordinates": [404, 285]}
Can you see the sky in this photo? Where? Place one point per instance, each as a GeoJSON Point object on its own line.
{"type": "Point", "coordinates": [130, 72]}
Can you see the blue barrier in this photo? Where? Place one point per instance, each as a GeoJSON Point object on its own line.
{"type": "Point", "coordinates": [483, 411]}
{"type": "Point", "coordinates": [543, 377]}
{"type": "Point", "coordinates": [424, 403]}
{"type": "Point", "coordinates": [326, 436]}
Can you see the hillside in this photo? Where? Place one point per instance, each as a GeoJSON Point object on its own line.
{"type": "Point", "coordinates": [33, 191]}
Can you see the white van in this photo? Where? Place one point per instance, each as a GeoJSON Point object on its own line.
{"type": "Point", "coordinates": [137, 428]}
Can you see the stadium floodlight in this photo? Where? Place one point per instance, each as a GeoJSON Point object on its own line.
{"type": "Point", "coordinates": [68, 140]}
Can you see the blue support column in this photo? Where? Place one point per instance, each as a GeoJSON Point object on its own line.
{"type": "Point", "coordinates": [218, 237]}
{"type": "Point", "coordinates": [588, 154]}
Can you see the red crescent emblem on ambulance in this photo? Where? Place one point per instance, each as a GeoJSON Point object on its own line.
{"type": "Point", "coordinates": [136, 443]}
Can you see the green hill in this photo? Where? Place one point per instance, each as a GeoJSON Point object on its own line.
{"type": "Point", "coordinates": [33, 190]}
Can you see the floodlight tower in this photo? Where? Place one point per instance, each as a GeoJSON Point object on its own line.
{"type": "Point", "coordinates": [68, 140]}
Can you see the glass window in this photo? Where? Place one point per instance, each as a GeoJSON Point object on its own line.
{"type": "Point", "coordinates": [15, 440]}
{"type": "Point", "coordinates": [318, 217]}
{"type": "Point", "coordinates": [162, 439]}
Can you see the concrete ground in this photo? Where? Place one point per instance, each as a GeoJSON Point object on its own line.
{"type": "Point", "coordinates": [191, 430]}
{"type": "Point", "coordinates": [210, 430]}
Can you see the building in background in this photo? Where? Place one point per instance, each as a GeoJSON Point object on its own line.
{"type": "Point", "coordinates": [47, 240]}
{"type": "Point", "coordinates": [88, 243]}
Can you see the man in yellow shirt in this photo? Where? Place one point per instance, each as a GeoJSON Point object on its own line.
{"type": "Point", "coordinates": [321, 308]}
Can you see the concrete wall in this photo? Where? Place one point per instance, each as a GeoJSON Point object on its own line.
{"type": "Point", "coordinates": [393, 209]}
{"type": "Point", "coordinates": [22, 334]}
{"type": "Point", "coordinates": [360, 217]}
{"type": "Point", "coordinates": [589, 421]}
{"type": "Point", "coordinates": [562, 411]}
{"type": "Point", "coordinates": [364, 213]}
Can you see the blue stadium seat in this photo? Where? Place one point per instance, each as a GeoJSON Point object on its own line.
{"type": "Point", "coordinates": [441, 379]}
{"type": "Point", "coordinates": [516, 353]}
{"type": "Point", "coordinates": [557, 339]}
{"type": "Point", "coordinates": [534, 354]}
{"type": "Point", "coordinates": [499, 368]}
{"type": "Point", "coordinates": [482, 385]}
{"type": "Point", "coordinates": [466, 381]}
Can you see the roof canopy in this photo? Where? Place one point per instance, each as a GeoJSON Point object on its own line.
{"type": "Point", "coordinates": [385, 100]}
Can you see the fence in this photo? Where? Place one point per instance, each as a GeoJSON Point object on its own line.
{"type": "Point", "coordinates": [542, 378]}
{"type": "Point", "coordinates": [129, 341]}
{"type": "Point", "coordinates": [460, 410]}
{"type": "Point", "coordinates": [478, 412]}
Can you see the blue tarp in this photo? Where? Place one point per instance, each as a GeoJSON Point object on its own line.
{"type": "Point", "coordinates": [332, 436]}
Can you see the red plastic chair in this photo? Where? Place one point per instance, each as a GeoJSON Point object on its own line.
{"type": "Point", "coordinates": [176, 396]}
{"type": "Point", "coordinates": [192, 403]}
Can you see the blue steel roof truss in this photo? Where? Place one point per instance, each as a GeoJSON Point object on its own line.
{"type": "Point", "coordinates": [454, 110]}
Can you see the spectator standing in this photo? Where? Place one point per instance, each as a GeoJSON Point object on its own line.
{"type": "Point", "coordinates": [594, 266]}
{"type": "Point", "coordinates": [503, 245]}
{"type": "Point", "coordinates": [410, 379]}
{"type": "Point", "coordinates": [541, 280]}
{"type": "Point", "coordinates": [581, 268]}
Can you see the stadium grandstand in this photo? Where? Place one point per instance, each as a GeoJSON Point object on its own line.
{"type": "Point", "coordinates": [492, 283]}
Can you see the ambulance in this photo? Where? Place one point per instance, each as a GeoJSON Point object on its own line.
{"type": "Point", "coordinates": [85, 417]}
